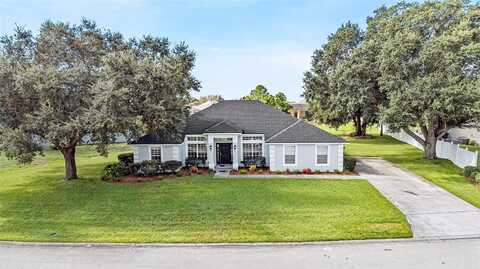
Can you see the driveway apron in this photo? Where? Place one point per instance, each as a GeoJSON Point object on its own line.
{"type": "Point", "coordinates": [431, 211]}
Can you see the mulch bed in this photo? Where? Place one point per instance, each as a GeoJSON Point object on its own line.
{"type": "Point", "coordinates": [268, 172]}
{"type": "Point", "coordinates": [185, 172]}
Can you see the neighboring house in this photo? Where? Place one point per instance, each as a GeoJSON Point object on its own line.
{"type": "Point", "coordinates": [202, 106]}
{"type": "Point", "coordinates": [471, 133]}
{"type": "Point", "coordinates": [299, 109]}
{"type": "Point", "coordinates": [230, 132]}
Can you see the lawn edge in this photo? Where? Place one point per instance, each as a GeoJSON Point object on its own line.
{"type": "Point", "coordinates": [246, 245]}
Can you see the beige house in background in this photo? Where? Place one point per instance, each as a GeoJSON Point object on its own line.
{"type": "Point", "coordinates": [299, 109]}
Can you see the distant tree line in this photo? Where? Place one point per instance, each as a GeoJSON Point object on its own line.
{"type": "Point", "coordinates": [261, 93]}
{"type": "Point", "coordinates": [415, 65]}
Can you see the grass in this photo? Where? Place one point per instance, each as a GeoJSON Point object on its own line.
{"type": "Point", "coordinates": [440, 172]}
{"type": "Point", "coordinates": [471, 148]}
{"type": "Point", "coordinates": [36, 204]}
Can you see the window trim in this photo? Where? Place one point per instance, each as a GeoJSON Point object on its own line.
{"type": "Point", "coordinates": [328, 155]}
{"type": "Point", "coordinates": [262, 151]}
{"type": "Point", "coordinates": [196, 146]}
{"type": "Point", "coordinates": [284, 155]}
{"type": "Point", "coordinates": [158, 147]}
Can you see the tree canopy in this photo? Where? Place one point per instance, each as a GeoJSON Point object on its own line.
{"type": "Point", "coordinates": [260, 93]}
{"type": "Point", "coordinates": [429, 69]}
{"type": "Point", "coordinates": [417, 64]}
{"type": "Point", "coordinates": [341, 85]}
{"type": "Point", "coordinates": [72, 81]}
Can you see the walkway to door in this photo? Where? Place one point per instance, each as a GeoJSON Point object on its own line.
{"type": "Point", "coordinates": [432, 211]}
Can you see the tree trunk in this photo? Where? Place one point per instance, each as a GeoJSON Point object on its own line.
{"type": "Point", "coordinates": [360, 127]}
{"type": "Point", "coordinates": [430, 146]}
{"type": "Point", "coordinates": [70, 164]}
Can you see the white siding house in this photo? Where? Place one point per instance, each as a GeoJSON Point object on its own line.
{"type": "Point", "coordinates": [230, 132]}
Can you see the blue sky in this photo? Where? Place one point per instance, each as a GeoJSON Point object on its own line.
{"type": "Point", "coordinates": [239, 43]}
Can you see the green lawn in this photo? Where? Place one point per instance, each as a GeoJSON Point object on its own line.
{"type": "Point", "coordinates": [36, 204]}
{"type": "Point", "coordinates": [440, 172]}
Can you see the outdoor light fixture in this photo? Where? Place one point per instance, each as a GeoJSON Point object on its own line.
{"type": "Point", "coordinates": [210, 147]}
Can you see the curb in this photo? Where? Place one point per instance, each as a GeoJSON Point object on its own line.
{"type": "Point", "coordinates": [234, 245]}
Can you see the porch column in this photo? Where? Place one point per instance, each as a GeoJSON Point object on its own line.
{"type": "Point", "coordinates": [235, 151]}
{"type": "Point", "coordinates": [210, 153]}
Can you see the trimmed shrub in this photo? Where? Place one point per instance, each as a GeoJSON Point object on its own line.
{"type": "Point", "coordinates": [114, 171]}
{"type": "Point", "coordinates": [477, 177]}
{"type": "Point", "coordinates": [349, 164]}
{"type": "Point", "coordinates": [172, 166]}
{"type": "Point", "coordinates": [149, 168]}
{"type": "Point", "coordinates": [243, 171]}
{"type": "Point", "coordinates": [125, 158]}
{"type": "Point", "coordinates": [194, 169]}
{"type": "Point", "coordinates": [252, 168]}
{"type": "Point", "coordinates": [307, 171]}
{"type": "Point", "coordinates": [469, 171]}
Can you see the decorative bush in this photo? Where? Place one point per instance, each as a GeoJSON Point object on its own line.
{"type": "Point", "coordinates": [114, 171]}
{"type": "Point", "coordinates": [198, 162]}
{"type": "Point", "coordinates": [258, 162]}
{"type": "Point", "coordinates": [252, 168]}
{"type": "Point", "coordinates": [172, 166]}
{"type": "Point", "coordinates": [125, 158]}
{"type": "Point", "coordinates": [307, 171]}
{"type": "Point", "coordinates": [469, 171]}
{"type": "Point", "coordinates": [194, 169]}
{"type": "Point", "coordinates": [150, 168]}
{"type": "Point", "coordinates": [243, 171]}
{"type": "Point", "coordinates": [477, 177]}
{"type": "Point", "coordinates": [349, 164]}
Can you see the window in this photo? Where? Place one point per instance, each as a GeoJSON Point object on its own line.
{"type": "Point", "coordinates": [322, 154]}
{"type": "Point", "coordinates": [201, 139]}
{"type": "Point", "coordinates": [252, 150]}
{"type": "Point", "coordinates": [253, 138]}
{"type": "Point", "coordinates": [290, 154]}
{"type": "Point", "coordinates": [156, 153]}
{"type": "Point", "coordinates": [197, 151]}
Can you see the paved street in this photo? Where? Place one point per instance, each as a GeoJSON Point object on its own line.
{"type": "Point", "coordinates": [432, 211]}
{"type": "Point", "coordinates": [458, 254]}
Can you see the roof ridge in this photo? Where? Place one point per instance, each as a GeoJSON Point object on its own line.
{"type": "Point", "coordinates": [215, 125]}
{"type": "Point", "coordinates": [285, 129]}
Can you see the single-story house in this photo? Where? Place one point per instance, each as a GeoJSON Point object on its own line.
{"type": "Point", "coordinates": [228, 133]}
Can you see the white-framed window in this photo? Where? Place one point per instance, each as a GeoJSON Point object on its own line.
{"type": "Point", "coordinates": [321, 154]}
{"type": "Point", "coordinates": [201, 139]}
{"type": "Point", "coordinates": [252, 150]}
{"type": "Point", "coordinates": [252, 138]}
{"type": "Point", "coordinates": [290, 154]}
{"type": "Point", "coordinates": [196, 147]}
{"type": "Point", "coordinates": [156, 153]}
{"type": "Point", "coordinates": [197, 151]}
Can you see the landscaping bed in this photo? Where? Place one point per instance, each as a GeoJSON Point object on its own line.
{"type": "Point", "coordinates": [289, 173]}
{"type": "Point", "coordinates": [184, 172]}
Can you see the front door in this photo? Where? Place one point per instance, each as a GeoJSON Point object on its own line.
{"type": "Point", "coordinates": [224, 153]}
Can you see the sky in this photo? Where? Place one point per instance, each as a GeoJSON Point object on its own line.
{"type": "Point", "coordinates": [239, 43]}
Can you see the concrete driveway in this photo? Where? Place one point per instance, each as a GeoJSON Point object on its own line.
{"type": "Point", "coordinates": [431, 211]}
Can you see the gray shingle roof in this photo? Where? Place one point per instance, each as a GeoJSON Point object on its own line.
{"type": "Point", "coordinates": [303, 132]}
{"type": "Point", "coordinates": [223, 127]}
{"type": "Point", "coordinates": [248, 117]}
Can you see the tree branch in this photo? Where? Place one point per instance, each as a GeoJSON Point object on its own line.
{"type": "Point", "coordinates": [414, 136]}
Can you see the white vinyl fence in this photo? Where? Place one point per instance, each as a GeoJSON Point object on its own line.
{"type": "Point", "coordinates": [445, 150]}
